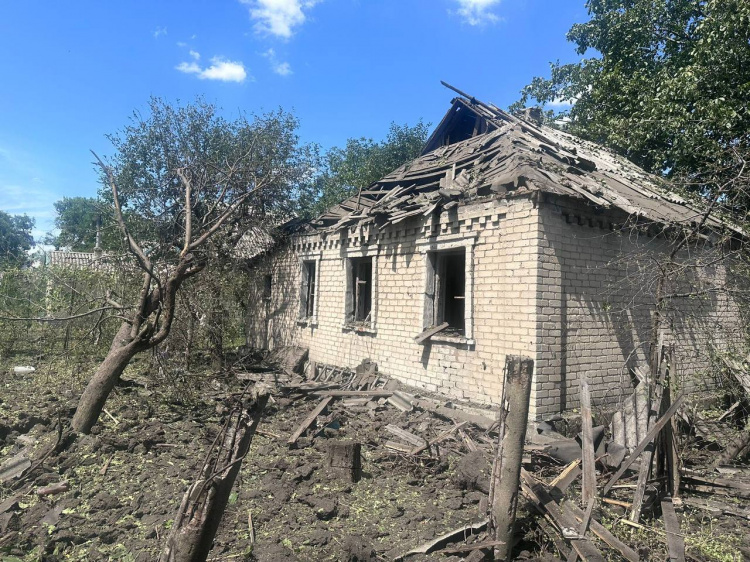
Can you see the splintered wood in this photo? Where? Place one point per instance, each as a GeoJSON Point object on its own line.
{"type": "Point", "coordinates": [308, 421]}
{"type": "Point", "coordinates": [588, 489]}
{"type": "Point", "coordinates": [644, 438]}
{"type": "Point", "coordinates": [205, 500]}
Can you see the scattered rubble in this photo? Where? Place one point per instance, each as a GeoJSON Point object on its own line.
{"type": "Point", "coordinates": [350, 465]}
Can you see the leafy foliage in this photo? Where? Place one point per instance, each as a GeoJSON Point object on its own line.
{"type": "Point", "coordinates": [15, 239]}
{"type": "Point", "coordinates": [77, 219]}
{"type": "Point", "coordinates": [668, 83]}
{"type": "Point", "coordinates": [256, 162]}
{"type": "Point", "coordinates": [362, 162]}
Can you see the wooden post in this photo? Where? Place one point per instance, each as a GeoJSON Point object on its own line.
{"type": "Point", "coordinates": [344, 459]}
{"type": "Point", "coordinates": [587, 445]}
{"type": "Point", "coordinates": [518, 379]}
{"type": "Point", "coordinates": [205, 500]}
{"type": "Point", "coordinates": [659, 377]}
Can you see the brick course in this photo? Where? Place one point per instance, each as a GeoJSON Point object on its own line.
{"type": "Point", "coordinates": [539, 284]}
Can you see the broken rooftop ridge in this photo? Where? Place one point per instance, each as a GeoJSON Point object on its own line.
{"type": "Point", "coordinates": [479, 151]}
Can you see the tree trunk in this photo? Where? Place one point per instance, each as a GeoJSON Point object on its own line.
{"type": "Point", "coordinates": [104, 380]}
{"type": "Point", "coordinates": [204, 502]}
{"type": "Point", "coordinates": [518, 378]}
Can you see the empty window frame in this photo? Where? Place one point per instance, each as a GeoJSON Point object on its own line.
{"type": "Point", "coordinates": [267, 287]}
{"type": "Point", "coordinates": [359, 290]}
{"type": "Point", "coordinates": [308, 289]}
{"type": "Point", "coordinates": [446, 290]}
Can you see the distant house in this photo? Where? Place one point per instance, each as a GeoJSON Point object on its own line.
{"type": "Point", "coordinates": [75, 260]}
{"type": "Point", "coordinates": [510, 235]}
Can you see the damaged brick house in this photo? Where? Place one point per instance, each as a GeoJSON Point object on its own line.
{"type": "Point", "coordinates": [504, 237]}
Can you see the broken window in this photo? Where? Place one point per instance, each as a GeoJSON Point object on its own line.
{"type": "Point", "coordinates": [307, 289]}
{"type": "Point", "coordinates": [446, 291]}
{"type": "Point", "coordinates": [359, 290]}
{"type": "Point", "coordinates": [267, 285]}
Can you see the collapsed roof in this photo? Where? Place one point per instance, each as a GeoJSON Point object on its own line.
{"type": "Point", "coordinates": [480, 151]}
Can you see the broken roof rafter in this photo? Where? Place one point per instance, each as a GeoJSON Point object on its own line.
{"type": "Point", "coordinates": [514, 155]}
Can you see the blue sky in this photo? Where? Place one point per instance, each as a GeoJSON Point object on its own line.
{"type": "Point", "coordinates": [74, 71]}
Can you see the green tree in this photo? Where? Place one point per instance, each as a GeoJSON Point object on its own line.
{"type": "Point", "coordinates": [15, 239]}
{"type": "Point", "coordinates": [182, 181]}
{"type": "Point", "coordinates": [78, 219]}
{"type": "Point", "coordinates": [361, 162]}
{"type": "Point", "coordinates": [664, 82]}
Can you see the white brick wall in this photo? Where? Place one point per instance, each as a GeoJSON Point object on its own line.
{"type": "Point", "coordinates": [596, 293]}
{"type": "Point", "coordinates": [542, 286]}
{"type": "Point", "coordinates": [503, 288]}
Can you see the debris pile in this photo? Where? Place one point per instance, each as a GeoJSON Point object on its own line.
{"type": "Point", "coordinates": [348, 464]}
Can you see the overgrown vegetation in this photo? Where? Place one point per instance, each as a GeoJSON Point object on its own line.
{"type": "Point", "coordinates": [664, 83]}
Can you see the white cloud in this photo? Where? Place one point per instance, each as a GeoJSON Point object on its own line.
{"type": "Point", "coordinates": [478, 12]}
{"type": "Point", "coordinates": [220, 69]}
{"type": "Point", "coordinates": [280, 68]}
{"type": "Point", "coordinates": [195, 54]}
{"type": "Point", "coordinates": [181, 44]}
{"type": "Point", "coordinates": [559, 103]}
{"type": "Point", "coordinates": [160, 31]}
{"type": "Point", "coordinates": [278, 17]}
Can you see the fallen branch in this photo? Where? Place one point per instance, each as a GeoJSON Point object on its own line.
{"type": "Point", "coordinates": [471, 547]}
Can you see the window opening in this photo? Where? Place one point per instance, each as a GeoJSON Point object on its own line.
{"type": "Point", "coordinates": [307, 305]}
{"type": "Point", "coordinates": [360, 290]}
{"type": "Point", "coordinates": [452, 278]}
{"type": "Point", "coordinates": [267, 285]}
{"type": "Point", "coordinates": [450, 291]}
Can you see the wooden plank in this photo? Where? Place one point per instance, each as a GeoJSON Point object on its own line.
{"type": "Point", "coordinates": [643, 444]}
{"type": "Point", "coordinates": [468, 441]}
{"type": "Point", "coordinates": [588, 489]}
{"type": "Point", "coordinates": [715, 481]}
{"type": "Point", "coordinates": [573, 556]}
{"type": "Point", "coordinates": [480, 421]}
{"type": "Point", "coordinates": [405, 435]}
{"type": "Point", "coordinates": [309, 419]}
{"type": "Point", "coordinates": [396, 446]}
{"type": "Point", "coordinates": [690, 486]}
{"type": "Point", "coordinates": [656, 407]}
{"type": "Point", "coordinates": [561, 482]}
{"type": "Point", "coordinates": [712, 506]}
{"type": "Point", "coordinates": [551, 532]}
{"type": "Point", "coordinates": [429, 332]}
{"type": "Point", "coordinates": [671, 454]}
{"type": "Point", "coordinates": [585, 549]}
{"type": "Point", "coordinates": [355, 393]}
{"type": "Point", "coordinates": [437, 439]}
{"type": "Point", "coordinates": [675, 540]}
{"type": "Point", "coordinates": [626, 505]}
{"type": "Point", "coordinates": [603, 533]}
